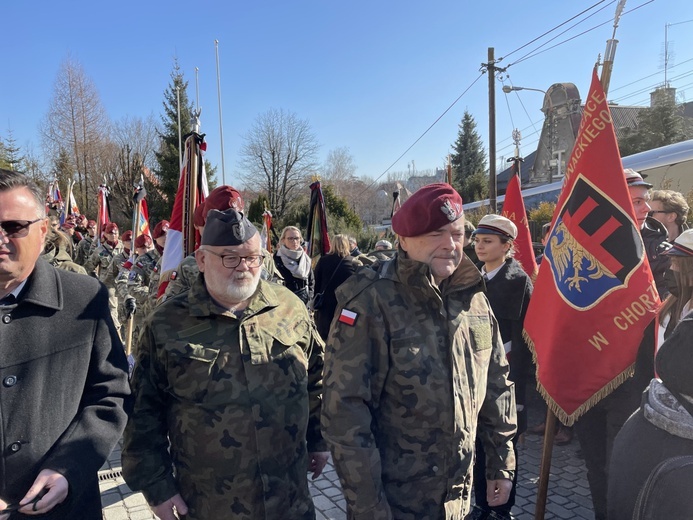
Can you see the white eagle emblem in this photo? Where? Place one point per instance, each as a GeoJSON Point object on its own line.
{"type": "Point", "coordinates": [450, 212]}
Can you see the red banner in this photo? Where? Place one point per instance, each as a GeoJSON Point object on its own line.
{"type": "Point", "coordinates": [595, 293]}
{"type": "Point", "coordinates": [514, 209]}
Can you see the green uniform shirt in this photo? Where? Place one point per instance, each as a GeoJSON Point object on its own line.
{"type": "Point", "coordinates": [412, 373]}
{"type": "Point", "coordinates": [231, 402]}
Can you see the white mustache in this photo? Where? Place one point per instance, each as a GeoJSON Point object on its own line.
{"type": "Point", "coordinates": [243, 276]}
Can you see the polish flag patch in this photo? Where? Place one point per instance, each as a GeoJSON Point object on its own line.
{"type": "Point", "coordinates": [348, 317]}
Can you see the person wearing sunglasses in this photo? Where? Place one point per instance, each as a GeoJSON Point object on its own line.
{"type": "Point", "coordinates": [63, 370]}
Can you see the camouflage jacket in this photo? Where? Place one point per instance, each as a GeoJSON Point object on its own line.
{"type": "Point", "coordinates": [232, 403]}
{"type": "Point", "coordinates": [101, 258]}
{"type": "Point", "coordinates": [135, 282]}
{"type": "Point", "coordinates": [84, 249]}
{"type": "Point", "coordinates": [408, 387]}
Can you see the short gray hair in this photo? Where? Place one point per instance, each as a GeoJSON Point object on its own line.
{"type": "Point", "coordinates": [11, 180]}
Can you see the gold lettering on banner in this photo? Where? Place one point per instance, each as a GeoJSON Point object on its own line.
{"type": "Point", "coordinates": [591, 125]}
{"type": "Point", "coordinates": [597, 340]}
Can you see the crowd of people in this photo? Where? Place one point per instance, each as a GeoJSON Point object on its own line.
{"type": "Point", "coordinates": [406, 364]}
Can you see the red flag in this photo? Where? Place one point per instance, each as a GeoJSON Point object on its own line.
{"type": "Point", "coordinates": [192, 190]}
{"type": "Point", "coordinates": [595, 293]}
{"type": "Point", "coordinates": [266, 227]}
{"type": "Point", "coordinates": [318, 239]}
{"type": "Point", "coordinates": [104, 214]}
{"type": "Point", "coordinates": [514, 209]}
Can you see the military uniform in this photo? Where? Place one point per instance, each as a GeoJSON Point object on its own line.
{"type": "Point", "coordinates": [101, 258]}
{"type": "Point", "coordinates": [135, 282]}
{"type": "Point", "coordinates": [84, 249]}
{"type": "Point", "coordinates": [230, 402]}
{"type": "Point", "coordinates": [413, 373]}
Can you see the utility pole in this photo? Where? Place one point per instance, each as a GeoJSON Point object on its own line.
{"type": "Point", "coordinates": [491, 70]}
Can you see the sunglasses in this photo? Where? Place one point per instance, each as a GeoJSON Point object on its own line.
{"type": "Point", "coordinates": [17, 228]}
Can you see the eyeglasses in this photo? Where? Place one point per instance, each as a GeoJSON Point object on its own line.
{"type": "Point", "coordinates": [17, 228]}
{"type": "Point", "coordinates": [650, 213]}
{"type": "Point", "coordinates": [233, 261]}
{"type": "Point", "coordinates": [293, 239]}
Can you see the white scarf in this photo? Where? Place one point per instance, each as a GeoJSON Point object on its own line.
{"type": "Point", "coordinates": [297, 262]}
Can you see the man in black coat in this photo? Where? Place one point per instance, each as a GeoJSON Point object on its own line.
{"type": "Point", "coordinates": [62, 368]}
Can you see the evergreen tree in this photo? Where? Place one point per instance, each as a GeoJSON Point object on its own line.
{"type": "Point", "coordinates": [256, 209]}
{"type": "Point", "coordinates": [9, 153]}
{"type": "Point", "coordinates": [469, 161]}
{"type": "Point", "coordinates": [659, 125]}
{"type": "Point", "coordinates": [168, 156]}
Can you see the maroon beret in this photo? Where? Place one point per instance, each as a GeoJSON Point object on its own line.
{"type": "Point", "coordinates": [126, 236]}
{"type": "Point", "coordinates": [430, 208]}
{"type": "Point", "coordinates": [199, 215]}
{"type": "Point", "coordinates": [91, 223]}
{"type": "Point", "coordinates": [111, 226]}
{"type": "Point", "coordinates": [68, 225]}
{"type": "Point", "coordinates": [160, 229]}
{"type": "Point", "coordinates": [143, 241]}
{"type": "Point", "coordinates": [223, 198]}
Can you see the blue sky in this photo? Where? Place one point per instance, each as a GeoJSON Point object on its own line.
{"type": "Point", "coordinates": [371, 76]}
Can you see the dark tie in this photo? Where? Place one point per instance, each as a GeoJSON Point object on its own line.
{"type": "Point", "coordinates": [8, 300]}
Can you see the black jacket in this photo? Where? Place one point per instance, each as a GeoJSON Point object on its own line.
{"type": "Point", "coordinates": [653, 234]}
{"type": "Point", "coordinates": [326, 283]}
{"type": "Point", "coordinates": [508, 293]}
{"type": "Point", "coordinates": [64, 388]}
{"type": "Point", "coordinates": [300, 287]}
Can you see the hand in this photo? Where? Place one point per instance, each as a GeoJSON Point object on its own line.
{"type": "Point", "coordinates": [498, 491]}
{"type": "Point", "coordinates": [130, 305]}
{"type": "Point", "coordinates": [167, 510]}
{"type": "Point", "coordinates": [55, 487]}
{"type": "Point", "coordinates": [316, 462]}
{"type": "Point", "coordinates": [3, 505]}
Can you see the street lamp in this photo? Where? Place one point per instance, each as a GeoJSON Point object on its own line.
{"type": "Point", "coordinates": [508, 89]}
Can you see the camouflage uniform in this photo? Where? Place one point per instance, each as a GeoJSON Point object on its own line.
{"type": "Point", "coordinates": [102, 258]}
{"type": "Point", "coordinates": [230, 402]}
{"type": "Point", "coordinates": [135, 283]}
{"type": "Point", "coordinates": [408, 387]}
{"type": "Point", "coordinates": [84, 249]}
{"type": "Point", "coordinates": [187, 272]}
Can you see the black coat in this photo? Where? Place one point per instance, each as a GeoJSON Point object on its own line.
{"type": "Point", "coordinates": [300, 287]}
{"type": "Point", "coordinates": [64, 388]}
{"type": "Point", "coordinates": [509, 292]}
{"type": "Point", "coordinates": [326, 283]}
{"type": "Point", "coordinates": [653, 234]}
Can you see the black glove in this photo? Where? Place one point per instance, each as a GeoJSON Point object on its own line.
{"type": "Point", "coordinates": [130, 306]}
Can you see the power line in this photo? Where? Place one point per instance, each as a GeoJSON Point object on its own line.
{"type": "Point", "coordinates": [422, 135]}
{"type": "Point", "coordinates": [551, 30]}
{"type": "Point", "coordinates": [535, 51]}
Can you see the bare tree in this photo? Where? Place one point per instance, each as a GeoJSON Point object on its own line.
{"type": "Point", "coordinates": [77, 122]}
{"type": "Point", "coordinates": [279, 156]}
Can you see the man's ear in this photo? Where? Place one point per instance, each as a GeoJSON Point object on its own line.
{"type": "Point", "coordinates": [200, 257]}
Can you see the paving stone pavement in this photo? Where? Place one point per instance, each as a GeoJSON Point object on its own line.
{"type": "Point", "coordinates": [568, 497]}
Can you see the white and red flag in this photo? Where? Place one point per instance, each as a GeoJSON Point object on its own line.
{"type": "Point", "coordinates": [192, 191]}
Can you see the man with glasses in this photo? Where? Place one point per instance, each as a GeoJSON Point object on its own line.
{"type": "Point", "coordinates": [671, 209]}
{"type": "Point", "coordinates": [62, 367]}
{"type": "Point", "coordinates": [227, 380]}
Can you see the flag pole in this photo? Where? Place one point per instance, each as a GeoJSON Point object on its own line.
{"type": "Point", "coordinates": [180, 135]}
{"type": "Point", "coordinates": [545, 468]}
{"type": "Point", "coordinates": [221, 125]}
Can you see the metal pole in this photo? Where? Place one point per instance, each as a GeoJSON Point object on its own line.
{"type": "Point", "coordinates": [492, 130]}
{"type": "Point", "coordinates": [180, 136]}
{"type": "Point", "coordinates": [197, 87]}
{"type": "Point", "coordinates": [221, 125]}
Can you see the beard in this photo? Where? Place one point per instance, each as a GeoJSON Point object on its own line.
{"type": "Point", "coordinates": [241, 287]}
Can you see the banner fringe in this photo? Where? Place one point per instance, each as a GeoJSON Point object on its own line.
{"type": "Point", "coordinates": [566, 418]}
